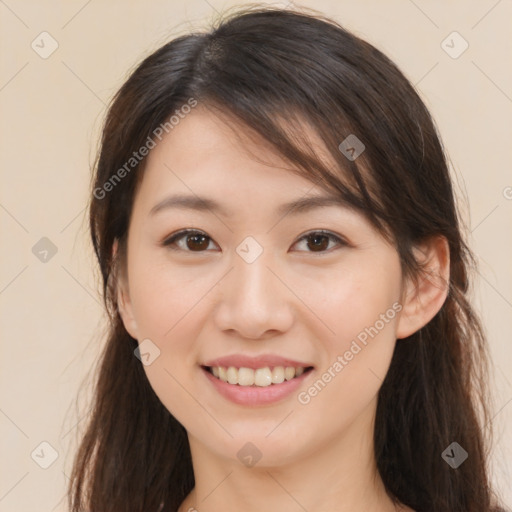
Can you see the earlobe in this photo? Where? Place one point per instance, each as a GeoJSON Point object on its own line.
{"type": "Point", "coordinates": [123, 294]}
{"type": "Point", "coordinates": [423, 297]}
{"type": "Point", "coordinates": [125, 310]}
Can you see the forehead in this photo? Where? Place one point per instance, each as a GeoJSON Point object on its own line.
{"type": "Point", "coordinates": [208, 155]}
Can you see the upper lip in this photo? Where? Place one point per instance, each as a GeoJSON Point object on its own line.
{"type": "Point", "coordinates": [244, 361]}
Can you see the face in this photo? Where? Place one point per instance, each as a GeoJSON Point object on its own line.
{"type": "Point", "coordinates": [258, 286]}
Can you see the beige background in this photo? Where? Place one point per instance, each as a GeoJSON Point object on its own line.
{"type": "Point", "coordinates": [51, 315]}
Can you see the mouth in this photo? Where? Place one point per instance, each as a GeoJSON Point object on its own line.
{"type": "Point", "coordinates": [256, 380]}
{"type": "Point", "coordinates": [256, 377]}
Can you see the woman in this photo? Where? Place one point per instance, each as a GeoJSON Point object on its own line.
{"type": "Point", "coordinates": [286, 279]}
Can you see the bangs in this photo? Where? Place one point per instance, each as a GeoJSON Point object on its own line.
{"type": "Point", "coordinates": [311, 147]}
{"type": "Point", "coordinates": [305, 107]}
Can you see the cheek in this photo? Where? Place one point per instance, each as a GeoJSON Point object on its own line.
{"type": "Point", "coordinates": [355, 362]}
{"type": "Point", "coordinates": [164, 297]}
{"type": "Point", "coordinates": [166, 315]}
{"type": "Point", "coordinates": [362, 311]}
{"type": "Point", "coordinates": [357, 301]}
{"type": "Point", "coordinates": [166, 303]}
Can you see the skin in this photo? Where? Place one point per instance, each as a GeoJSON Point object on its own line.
{"type": "Point", "coordinates": [292, 301]}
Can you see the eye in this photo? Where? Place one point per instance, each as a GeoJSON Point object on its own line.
{"type": "Point", "coordinates": [194, 241]}
{"type": "Point", "coordinates": [318, 241]}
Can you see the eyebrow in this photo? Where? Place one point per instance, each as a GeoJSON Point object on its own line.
{"type": "Point", "coordinates": [295, 207]}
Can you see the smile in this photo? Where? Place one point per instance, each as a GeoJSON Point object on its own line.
{"type": "Point", "coordinates": [259, 377]}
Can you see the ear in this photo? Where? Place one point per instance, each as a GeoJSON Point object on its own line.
{"type": "Point", "coordinates": [424, 296]}
{"type": "Point", "coordinates": [123, 293]}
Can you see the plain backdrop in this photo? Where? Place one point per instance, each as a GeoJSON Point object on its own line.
{"type": "Point", "coordinates": [61, 62]}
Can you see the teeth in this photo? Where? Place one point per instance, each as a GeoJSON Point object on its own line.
{"type": "Point", "coordinates": [278, 375]}
{"type": "Point", "coordinates": [261, 377]}
{"type": "Point", "coordinates": [223, 374]}
{"type": "Point", "coordinates": [232, 375]}
{"type": "Point", "coordinates": [289, 372]}
{"type": "Point", "coordinates": [246, 377]}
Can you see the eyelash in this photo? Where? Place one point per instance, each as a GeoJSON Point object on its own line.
{"type": "Point", "coordinates": [168, 242]}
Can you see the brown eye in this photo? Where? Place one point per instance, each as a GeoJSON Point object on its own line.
{"type": "Point", "coordinates": [192, 240]}
{"type": "Point", "coordinates": [195, 241]}
{"type": "Point", "coordinates": [318, 241]}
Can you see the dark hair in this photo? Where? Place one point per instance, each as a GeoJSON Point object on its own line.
{"type": "Point", "coordinates": [277, 71]}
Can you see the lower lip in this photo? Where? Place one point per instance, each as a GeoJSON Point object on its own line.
{"type": "Point", "coordinates": [256, 395]}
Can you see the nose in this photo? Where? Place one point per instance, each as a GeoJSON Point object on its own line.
{"type": "Point", "coordinates": [254, 302]}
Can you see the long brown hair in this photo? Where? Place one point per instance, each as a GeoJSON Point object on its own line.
{"type": "Point", "coordinates": [275, 70]}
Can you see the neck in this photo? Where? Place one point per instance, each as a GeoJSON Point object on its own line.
{"type": "Point", "coordinates": [338, 475]}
